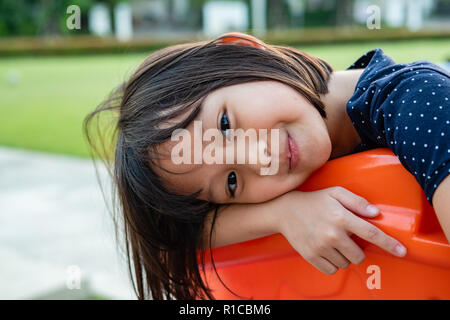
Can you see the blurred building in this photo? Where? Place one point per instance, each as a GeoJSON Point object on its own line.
{"type": "Point", "coordinates": [218, 16]}
{"type": "Point", "coordinates": [412, 14]}
{"type": "Point", "coordinates": [164, 18]}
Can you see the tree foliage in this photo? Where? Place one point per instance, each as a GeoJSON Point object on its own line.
{"type": "Point", "coordinates": [42, 17]}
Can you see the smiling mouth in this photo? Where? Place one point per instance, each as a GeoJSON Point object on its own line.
{"type": "Point", "coordinates": [292, 153]}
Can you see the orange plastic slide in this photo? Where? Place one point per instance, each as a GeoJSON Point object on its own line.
{"type": "Point", "coordinates": [269, 268]}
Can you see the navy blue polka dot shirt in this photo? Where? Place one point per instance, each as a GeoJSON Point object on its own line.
{"type": "Point", "coordinates": [404, 107]}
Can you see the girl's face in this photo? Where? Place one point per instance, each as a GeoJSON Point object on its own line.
{"type": "Point", "coordinates": [254, 105]}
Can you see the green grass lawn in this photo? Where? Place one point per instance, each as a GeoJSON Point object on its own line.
{"type": "Point", "coordinates": [45, 108]}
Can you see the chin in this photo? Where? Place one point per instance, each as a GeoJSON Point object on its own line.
{"type": "Point", "coordinates": [320, 156]}
{"type": "Point", "coordinates": [323, 153]}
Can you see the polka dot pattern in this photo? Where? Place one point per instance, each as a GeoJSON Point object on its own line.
{"type": "Point", "coordinates": [404, 107]}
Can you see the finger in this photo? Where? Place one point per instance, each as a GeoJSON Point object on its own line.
{"type": "Point", "coordinates": [369, 232]}
{"type": "Point", "coordinates": [351, 251]}
{"type": "Point", "coordinates": [336, 258]}
{"type": "Point", "coordinates": [354, 203]}
{"type": "Point", "coordinates": [323, 265]}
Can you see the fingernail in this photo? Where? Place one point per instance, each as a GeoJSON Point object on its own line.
{"type": "Point", "coordinates": [401, 250]}
{"type": "Point", "coordinates": [372, 209]}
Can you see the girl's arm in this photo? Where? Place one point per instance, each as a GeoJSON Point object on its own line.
{"type": "Point", "coordinates": [241, 222]}
{"type": "Point", "coordinates": [317, 225]}
{"type": "Point", "coordinates": [441, 205]}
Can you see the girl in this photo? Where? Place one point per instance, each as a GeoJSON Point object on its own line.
{"type": "Point", "coordinates": [169, 210]}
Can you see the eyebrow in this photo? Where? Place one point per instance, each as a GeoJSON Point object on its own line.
{"type": "Point", "coordinates": [210, 193]}
{"type": "Point", "coordinates": [242, 188]}
{"type": "Point", "coordinates": [211, 189]}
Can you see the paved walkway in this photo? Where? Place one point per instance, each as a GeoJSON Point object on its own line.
{"type": "Point", "coordinates": [56, 236]}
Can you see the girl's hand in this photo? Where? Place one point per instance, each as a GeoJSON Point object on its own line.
{"type": "Point", "coordinates": [318, 225]}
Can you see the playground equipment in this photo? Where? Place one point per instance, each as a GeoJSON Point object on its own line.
{"type": "Point", "coordinates": [269, 268]}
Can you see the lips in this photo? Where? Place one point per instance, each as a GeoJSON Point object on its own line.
{"type": "Point", "coordinates": [292, 153]}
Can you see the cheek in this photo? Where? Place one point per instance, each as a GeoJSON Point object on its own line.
{"type": "Point", "coordinates": [315, 140]}
{"type": "Point", "coordinates": [268, 112]}
{"type": "Point", "coordinates": [323, 146]}
{"type": "Point", "coordinates": [263, 188]}
{"type": "Point", "coordinates": [316, 152]}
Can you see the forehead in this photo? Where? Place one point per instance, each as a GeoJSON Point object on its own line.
{"type": "Point", "coordinates": [182, 178]}
{"type": "Point", "coordinates": [186, 178]}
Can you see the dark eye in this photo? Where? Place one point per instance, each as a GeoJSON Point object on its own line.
{"type": "Point", "coordinates": [232, 183]}
{"type": "Point", "coordinates": [224, 124]}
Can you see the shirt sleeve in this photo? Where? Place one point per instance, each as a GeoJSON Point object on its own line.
{"type": "Point", "coordinates": [416, 118]}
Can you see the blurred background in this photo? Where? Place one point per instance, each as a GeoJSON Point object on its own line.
{"type": "Point", "coordinates": [59, 59]}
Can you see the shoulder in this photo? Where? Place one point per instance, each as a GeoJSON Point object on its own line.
{"type": "Point", "coordinates": [406, 108]}
{"type": "Point", "coordinates": [423, 74]}
{"type": "Point", "coordinates": [417, 88]}
{"type": "Point", "coordinates": [415, 112]}
{"type": "Point", "coordinates": [413, 75]}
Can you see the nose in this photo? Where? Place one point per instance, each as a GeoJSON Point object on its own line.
{"type": "Point", "coordinates": [250, 151]}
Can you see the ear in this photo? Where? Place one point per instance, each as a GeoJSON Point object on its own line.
{"type": "Point", "coordinates": [241, 39]}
